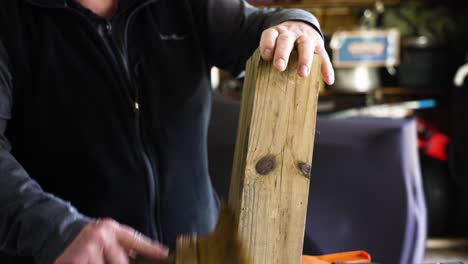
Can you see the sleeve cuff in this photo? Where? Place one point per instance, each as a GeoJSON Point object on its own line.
{"type": "Point", "coordinates": [61, 238]}
{"type": "Point", "coordinates": [294, 15]}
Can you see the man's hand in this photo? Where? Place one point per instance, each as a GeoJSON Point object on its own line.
{"type": "Point", "coordinates": [277, 43]}
{"type": "Point", "coordinates": [108, 242]}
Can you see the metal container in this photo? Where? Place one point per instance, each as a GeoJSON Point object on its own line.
{"type": "Point", "coordinates": [360, 79]}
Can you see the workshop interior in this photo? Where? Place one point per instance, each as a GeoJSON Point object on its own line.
{"type": "Point", "coordinates": [389, 175]}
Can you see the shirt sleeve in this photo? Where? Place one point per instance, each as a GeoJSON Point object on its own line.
{"type": "Point", "coordinates": [231, 29]}
{"type": "Point", "coordinates": [32, 222]}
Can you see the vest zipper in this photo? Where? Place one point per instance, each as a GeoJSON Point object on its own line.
{"type": "Point", "coordinates": [155, 202]}
{"type": "Point", "coordinates": [153, 182]}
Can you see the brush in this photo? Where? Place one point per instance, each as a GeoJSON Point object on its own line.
{"type": "Point", "coordinates": [223, 245]}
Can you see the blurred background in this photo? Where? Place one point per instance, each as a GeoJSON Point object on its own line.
{"type": "Point", "coordinates": [399, 60]}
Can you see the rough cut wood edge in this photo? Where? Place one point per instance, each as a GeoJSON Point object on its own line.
{"type": "Point", "coordinates": [187, 250]}
{"type": "Point", "coordinates": [277, 121]}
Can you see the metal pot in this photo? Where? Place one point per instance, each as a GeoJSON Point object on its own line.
{"type": "Point", "coordinates": [360, 79]}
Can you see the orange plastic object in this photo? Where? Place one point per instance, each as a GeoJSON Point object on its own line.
{"type": "Point", "coordinates": [343, 257]}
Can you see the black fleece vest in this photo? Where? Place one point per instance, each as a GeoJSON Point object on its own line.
{"type": "Point", "coordinates": [113, 120]}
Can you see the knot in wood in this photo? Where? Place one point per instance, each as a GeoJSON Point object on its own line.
{"type": "Point", "coordinates": [265, 165]}
{"type": "Point", "coordinates": [305, 169]}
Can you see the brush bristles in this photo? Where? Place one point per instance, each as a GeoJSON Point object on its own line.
{"type": "Point", "coordinates": [223, 246]}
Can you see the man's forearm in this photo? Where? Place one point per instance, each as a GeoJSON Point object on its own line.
{"type": "Point", "coordinates": [33, 223]}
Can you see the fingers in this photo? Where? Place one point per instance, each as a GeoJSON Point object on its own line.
{"type": "Point", "coordinates": [114, 253]}
{"type": "Point", "coordinates": [306, 50]}
{"type": "Point", "coordinates": [277, 43]}
{"type": "Point", "coordinates": [284, 45]}
{"type": "Point", "coordinates": [103, 239]}
{"type": "Point", "coordinates": [133, 240]}
{"type": "Point", "coordinates": [108, 242]}
{"type": "Point", "coordinates": [95, 253]}
{"type": "Point", "coordinates": [327, 67]}
{"type": "Point", "coordinates": [268, 43]}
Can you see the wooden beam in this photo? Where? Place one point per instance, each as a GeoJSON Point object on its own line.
{"type": "Point", "coordinates": [273, 156]}
{"type": "Point", "coordinates": [187, 250]}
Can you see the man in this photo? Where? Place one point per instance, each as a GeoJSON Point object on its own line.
{"type": "Point", "coordinates": [105, 104]}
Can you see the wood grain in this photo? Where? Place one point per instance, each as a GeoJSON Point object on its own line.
{"type": "Point", "coordinates": [187, 250]}
{"type": "Point", "coordinates": [270, 180]}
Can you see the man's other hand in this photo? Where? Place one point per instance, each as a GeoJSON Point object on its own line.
{"type": "Point", "coordinates": [277, 43]}
{"type": "Point", "coordinates": [106, 241]}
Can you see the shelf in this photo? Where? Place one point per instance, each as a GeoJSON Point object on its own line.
{"type": "Point", "coordinates": [410, 91]}
{"type": "Point", "coordinates": [389, 91]}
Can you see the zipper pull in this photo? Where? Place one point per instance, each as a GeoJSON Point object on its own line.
{"type": "Point", "coordinates": [109, 28]}
{"type": "Point", "coordinates": [137, 106]}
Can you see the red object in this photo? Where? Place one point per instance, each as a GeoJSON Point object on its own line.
{"type": "Point", "coordinates": [431, 141]}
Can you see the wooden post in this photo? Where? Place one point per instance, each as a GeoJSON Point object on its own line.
{"type": "Point", "coordinates": [272, 162]}
{"type": "Point", "coordinates": [271, 171]}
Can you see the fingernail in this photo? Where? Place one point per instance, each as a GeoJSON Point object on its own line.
{"type": "Point", "coordinates": [281, 63]}
{"type": "Point", "coordinates": [331, 79]}
{"type": "Point", "coordinates": [267, 52]}
{"type": "Point", "coordinates": [304, 70]}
